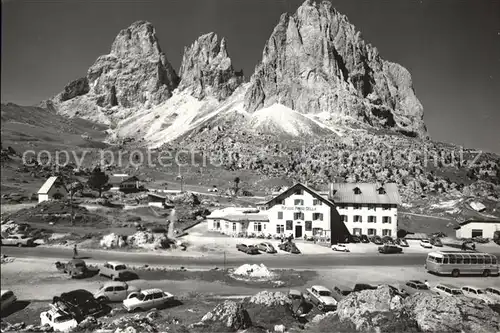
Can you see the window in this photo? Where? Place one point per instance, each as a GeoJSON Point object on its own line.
{"type": "Point", "coordinates": [386, 207]}
{"type": "Point", "coordinates": [381, 190]}
{"type": "Point", "coordinates": [280, 229]}
{"type": "Point", "coordinates": [386, 232]}
{"type": "Point", "coordinates": [308, 225]}
{"type": "Point", "coordinates": [217, 224]}
{"type": "Point", "coordinates": [480, 260]}
{"type": "Point", "coordinates": [358, 218]}
{"type": "Point", "coordinates": [108, 289]}
{"type": "Point", "coordinates": [445, 260]}
{"type": "Point", "coordinates": [473, 260]}
{"type": "Point", "coordinates": [466, 261]}
{"type": "Point", "coordinates": [119, 288]}
{"type": "Point", "coordinates": [257, 226]}
{"type": "Point", "coordinates": [234, 227]}
{"type": "Point", "coordinates": [357, 191]}
{"type": "Point", "coordinates": [371, 207]}
{"type": "Point", "coordinates": [317, 202]}
{"type": "Point", "coordinates": [356, 207]}
{"type": "Point", "coordinates": [372, 232]}
{"type": "Point", "coordinates": [280, 215]}
{"type": "Point", "coordinates": [298, 216]}
{"type": "Point", "coordinates": [494, 260]}
{"type": "Point", "coordinates": [343, 218]}
{"type": "Point", "coordinates": [298, 202]}
{"type": "Point", "coordinates": [299, 192]}
{"type": "Point", "coordinates": [477, 233]}
{"type": "Point", "coordinates": [460, 260]}
{"type": "Point", "coordinates": [487, 260]}
{"type": "Point", "coordinates": [356, 231]}
{"type": "Point", "coordinates": [453, 259]}
{"type": "Point", "coordinates": [386, 219]}
{"type": "Point", "coordinates": [289, 225]}
{"type": "Point", "coordinates": [372, 219]}
{"type": "Point", "coordinates": [318, 216]}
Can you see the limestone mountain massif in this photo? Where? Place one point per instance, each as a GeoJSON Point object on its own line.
{"type": "Point", "coordinates": [315, 71]}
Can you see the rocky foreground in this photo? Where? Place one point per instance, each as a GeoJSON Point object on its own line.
{"type": "Point", "coordinates": [381, 310]}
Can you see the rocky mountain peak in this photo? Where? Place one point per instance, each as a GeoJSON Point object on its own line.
{"type": "Point", "coordinates": [316, 61]}
{"type": "Point", "coordinates": [135, 74]}
{"type": "Point", "coordinates": [207, 69]}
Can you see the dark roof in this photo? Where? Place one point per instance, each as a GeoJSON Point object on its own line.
{"type": "Point", "coordinates": [476, 221]}
{"type": "Point", "coordinates": [294, 188]}
{"type": "Point", "coordinates": [116, 180]}
{"type": "Point", "coordinates": [369, 193]}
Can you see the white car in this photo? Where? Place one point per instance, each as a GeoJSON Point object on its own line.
{"type": "Point", "coordinates": [147, 299]}
{"type": "Point", "coordinates": [340, 248]}
{"type": "Point", "coordinates": [114, 291]}
{"type": "Point", "coordinates": [57, 319]}
{"type": "Point", "coordinates": [426, 244]}
{"type": "Point", "coordinates": [447, 290]}
{"type": "Point", "coordinates": [8, 298]}
{"type": "Point", "coordinates": [494, 293]}
{"type": "Point", "coordinates": [322, 297]}
{"type": "Point", "coordinates": [477, 293]}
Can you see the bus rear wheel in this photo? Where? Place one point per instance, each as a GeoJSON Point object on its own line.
{"type": "Point", "coordinates": [455, 273]}
{"type": "Point", "coordinates": [486, 273]}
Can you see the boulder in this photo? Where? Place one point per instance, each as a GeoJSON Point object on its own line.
{"type": "Point", "coordinates": [270, 309]}
{"type": "Point", "coordinates": [226, 317]}
{"type": "Point", "coordinates": [434, 313]}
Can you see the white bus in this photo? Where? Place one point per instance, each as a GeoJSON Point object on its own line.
{"type": "Point", "coordinates": [461, 262]}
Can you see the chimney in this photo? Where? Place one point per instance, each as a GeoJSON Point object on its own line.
{"type": "Point", "coordinates": [331, 190]}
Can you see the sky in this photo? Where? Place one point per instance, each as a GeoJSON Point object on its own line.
{"type": "Point", "coordinates": [451, 47]}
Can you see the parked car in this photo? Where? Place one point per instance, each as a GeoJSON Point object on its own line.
{"type": "Point", "coordinates": [426, 244]}
{"type": "Point", "coordinates": [58, 320]}
{"type": "Point", "coordinates": [402, 242]}
{"type": "Point", "coordinates": [415, 286]}
{"type": "Point", "coordinates": [147, 299]}
{"type": "Point", "coordinates": [248, 249]}
{"type": "Point", "coordinates": [79, 304]}
{"type": "Point", "coordinates": [115, 271]}
{"type": "Point", "coordinates": [8, 298]}
{"type": "Point", "coordinates": [436, 242]}
{"type": "Point", "coordinates": [364, 239]}
{"type": "Point", "coordinates": [289, 247]}
{"type": "Point", "coordinates": [266, 247]}
{"type": "Point", "coordinates": [339, 292]}
{"type": "Point", "coordinates": [447, 290]}
{"type": "Point", "coordinates": [298, 305]}
{"type": "Point", "coordinates": [494, 293]}
{"type": "Point", "coordinates": [340, 248]}
{"type": "Point", "coordinates": [477, 293]}
{"type": "Point", "coordinates": [18, 240]}
{"type": "Point", "coordinates": [356, 239]}
{"type": "Point", "coordinates": [363, 286]}
{"type": "Point", "coordinates": [388, 240]}
{"type": "Point", "coordinates": [75, 268]}
{"type": "Point", "coordinates": [389, 249]}
{"type": "Point", "coordinates": [376, 240]}
{"type": "Point", "coordinates": [115, 291]}
{"type": "Point", "coordinates": [322, 298]}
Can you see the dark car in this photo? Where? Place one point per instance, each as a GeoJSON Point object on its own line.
{"type": "Point", "coordinates": [289, 247]}
{"type": "Point", "coordinates": [355, 239]}
{"type": "Point", "coordinates": [339, 292]}
{"type": "Point", "coordinates": [299, 305]}
{"type": "Point", "coordinates": [364, 239]}
{"type": "Point", "coordinates": [377, 240]}
{"type": "Point", "coordinates": [248, 249]}
{"type": "Point", "coordinates": [363, 286]}
{"type": "Point", "coordinates": [80, 304]}
{"type": "Point", "coordinates": [385, 249]}
{"type": "Point", "coordinates": [436, 242]}
{"type": "Point", "coordinates": [266, 247]}
{"type": "Point", "coordinates": [388, 240]}
{"type": "Point", "coordinates": [75, 268]}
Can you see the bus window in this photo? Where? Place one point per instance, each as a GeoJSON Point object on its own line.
{"type": "Point", "coordinates": [494, 261]}
{"type": "Point", "coordinates": [460, 260]}
{"type": "Point", "coordinates": [473, 260]}
{"type": "Point", "coordinates": [452, 259]}
{"type": "Point", "coordinates": [480, 261]}
{"type": "Point", "coordinates": [445, 261]}
{"type": "Point", "coordinates": [439, 260]}
{"type": "Point", "coordinates": [487, 260]}
{"type": "Point", "coordinates": [466, 261]}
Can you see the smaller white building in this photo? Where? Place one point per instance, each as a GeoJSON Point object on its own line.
{"type": "Point", "coordinates": [52, 189]}
{"type": "Point", "coordinates": [235, 220]}
{"type": "Point", "coordinates": [477, 228]}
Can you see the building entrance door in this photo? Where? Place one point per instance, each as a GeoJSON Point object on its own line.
{"type": "Point", "coordinates": [298, 231]}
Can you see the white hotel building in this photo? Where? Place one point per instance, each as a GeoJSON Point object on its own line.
{"type": "Point", "coordinates": [346, 210]}
{"type": "Point", "coordinates": [367, 208]}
